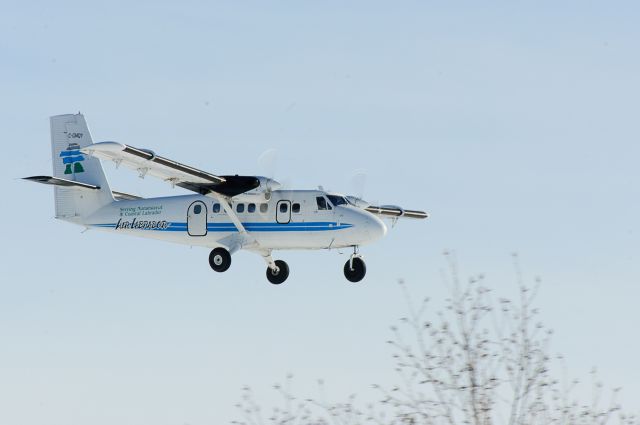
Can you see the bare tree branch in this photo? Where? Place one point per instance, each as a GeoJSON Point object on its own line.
{"type": "Point", "coordinates": [480, 360]}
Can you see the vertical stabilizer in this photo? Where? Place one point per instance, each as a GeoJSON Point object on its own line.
{"type": "Point", "coordinates": [69, 133]}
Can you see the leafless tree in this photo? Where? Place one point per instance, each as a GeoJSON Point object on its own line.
{"type": "Point", "coordinates": [481, 360]}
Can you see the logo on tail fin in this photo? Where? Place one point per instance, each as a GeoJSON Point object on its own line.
{"type": "Point", "coordinates": [72, 157]}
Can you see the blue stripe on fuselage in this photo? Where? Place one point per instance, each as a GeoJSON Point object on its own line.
{"type": "Point", "coordinates": [251, 227]}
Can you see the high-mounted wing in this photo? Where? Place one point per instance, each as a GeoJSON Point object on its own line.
{"type": "Point", "coordinates": [395, 212]}
{"type": "Point", "coordinates": [146, 162]}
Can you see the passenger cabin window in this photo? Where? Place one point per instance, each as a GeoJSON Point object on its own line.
{"type": "Point", "coordinates": [337, 200]}
{"type": "Point", "coordinates": [322, 203]}
{"type": "Point", "coordinates": [251, 208]}
{"type": "Point", "coordinates": [197, 209]}
{"type": "Point", "coordinates": [216, 208]}
{"type": "Point", "coordinates": [264, 208]}
{"type": "Point", "coordinates": [240, 208]}
{"type": "Point", "coordinates": [295, 208]}
{"type": "Point", "coordinates": [284, 207]}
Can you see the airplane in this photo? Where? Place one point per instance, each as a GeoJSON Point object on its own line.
{"type": "Point", "coordinates": [225, 213]}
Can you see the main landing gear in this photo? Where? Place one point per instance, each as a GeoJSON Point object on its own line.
{"type": "Point", "coordinates": [355, 269]}
{"type": "Point", "coordinates": [278, 271]}
{"type": "Point", "coordinates": [220, 260]}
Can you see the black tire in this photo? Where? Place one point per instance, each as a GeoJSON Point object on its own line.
{"type": "Point", "coordinates": [220, 260]}
{"type": "Point", "coordinates": [281, 275]}
{"type": "Point", "coordinates": [355, 272]}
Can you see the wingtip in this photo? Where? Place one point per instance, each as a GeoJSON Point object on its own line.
{"type": "Point", "coordinates": [104, 147]}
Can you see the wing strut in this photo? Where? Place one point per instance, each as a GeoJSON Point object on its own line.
{"type": "Point", "coordinates": [242, 239]}
{"type": "Point", "coordinates": [230, 212]}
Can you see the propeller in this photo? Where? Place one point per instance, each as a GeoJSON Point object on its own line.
{"type": "Point", "coordinates": [268, 166]}
{"type": "Point", "coordinates": [268, 162]}
{"type": "Point", "coordinates": [357, 187]}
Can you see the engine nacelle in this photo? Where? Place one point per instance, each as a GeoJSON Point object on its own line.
{"type": "Point", "coordinates": [262, 193]}
{"type": "Point", "coordinates": [267, 184]}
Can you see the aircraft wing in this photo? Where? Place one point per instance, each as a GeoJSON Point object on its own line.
{"type": "Point", "coordinates": [147, 163]}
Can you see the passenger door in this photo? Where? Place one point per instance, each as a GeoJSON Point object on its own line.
{"type": "Point", "coordinates": [283, 212]}
{"type": "Point", "coordinates": [197, 219]}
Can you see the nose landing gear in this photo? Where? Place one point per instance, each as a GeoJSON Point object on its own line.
{"type": "Point", "coordinates": [355, 269]}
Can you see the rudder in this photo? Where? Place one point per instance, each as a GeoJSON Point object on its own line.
{"type": "Point", "coordinates": [69, 134]}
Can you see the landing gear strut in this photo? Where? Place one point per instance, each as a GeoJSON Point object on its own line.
{"type": "Point", "coordinates": [220, 259]}
{"type": "Point", "coordinates": [355, 269]}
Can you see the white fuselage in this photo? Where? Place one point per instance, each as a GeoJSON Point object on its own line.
{"type": "Point", "coordinates": [292, 219]}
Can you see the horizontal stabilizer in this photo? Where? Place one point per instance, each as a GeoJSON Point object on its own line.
{"type": "Point", "coordinates": [393, 211]}
{"type": "Point", "coordinates": [56, 181]}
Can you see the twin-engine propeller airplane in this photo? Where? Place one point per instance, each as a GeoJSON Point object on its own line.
{"type": "Point", "coordinates": [227, 213]}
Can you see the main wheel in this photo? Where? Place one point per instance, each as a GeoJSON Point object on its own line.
{"type": "Point", "coordinates": [220, 259]}
{"type": "Point", "coordinates": [355, 272]}
{"type": "Point", "coordinates": [281, 275]}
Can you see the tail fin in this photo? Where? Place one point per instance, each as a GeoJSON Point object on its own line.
{"type": "Point", "coordinates": [69, 133]}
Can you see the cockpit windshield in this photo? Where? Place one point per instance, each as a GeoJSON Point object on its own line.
{"type": "Point", "coordinates": [337, 200]}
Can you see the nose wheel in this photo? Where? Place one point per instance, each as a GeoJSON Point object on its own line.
{"type": "Point", "coordinates": [220, 260]}
{"type": "Point", "coordinates": [355, 269]}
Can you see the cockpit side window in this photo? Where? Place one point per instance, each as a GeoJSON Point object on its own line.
{"type": "Point", "coordinates": [322, 203]}
{"type": "Point", "coordinates": [337, 200]}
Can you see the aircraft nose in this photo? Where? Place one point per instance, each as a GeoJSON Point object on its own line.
{"type": "Point", "coordinates": [376, 228]}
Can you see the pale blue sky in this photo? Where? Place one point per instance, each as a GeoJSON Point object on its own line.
{"type": "Point", "coordinates": [514, 123]}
